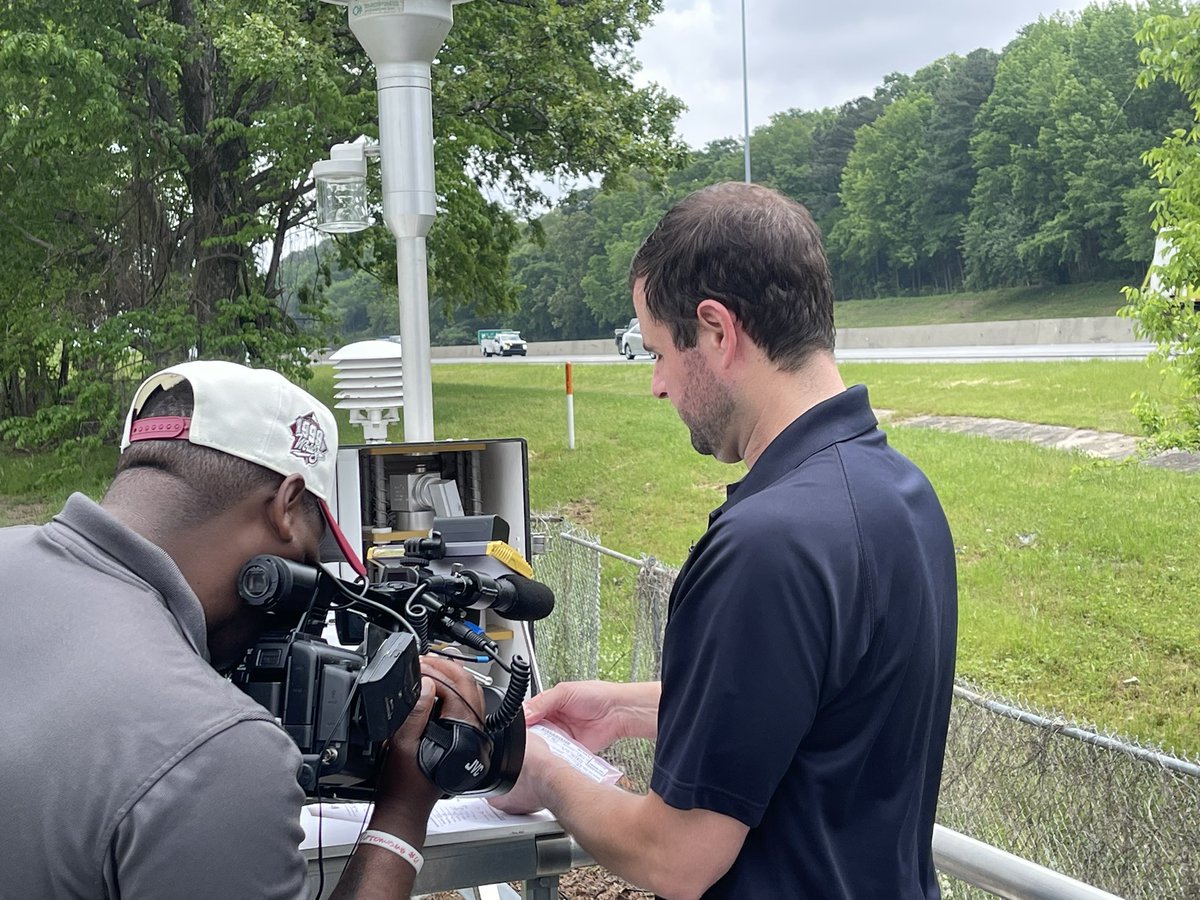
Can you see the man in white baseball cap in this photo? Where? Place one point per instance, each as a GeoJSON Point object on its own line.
{"type": "Point", "coordinates": [256, 415]}
{"type": "Point", "coordinates": [138, 769]}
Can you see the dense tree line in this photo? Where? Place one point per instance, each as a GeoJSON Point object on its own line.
{"type": "Point", "coordinates": [1166, 308]}
{"type": "Point", "coordinates": [977, 171]}
{"type": "Point", "coordinates": [156, 156]}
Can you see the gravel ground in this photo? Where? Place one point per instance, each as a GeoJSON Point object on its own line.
{"type": "Point", "coordinates": [597, 882]}
{"type": "Point", "coordinates": [586, 883]}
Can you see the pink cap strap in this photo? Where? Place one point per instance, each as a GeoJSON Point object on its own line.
{"type": "Point", "coordinates": [160, 428]}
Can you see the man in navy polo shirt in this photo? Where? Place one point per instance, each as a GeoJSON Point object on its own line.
{"type": "Point", "coordinates": [808, 660]}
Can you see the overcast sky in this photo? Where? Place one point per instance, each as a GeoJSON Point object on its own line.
{"type": "Point", "coordinates": [808, 55]}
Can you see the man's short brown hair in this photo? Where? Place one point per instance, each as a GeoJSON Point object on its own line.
{"type": "Point", "coordinates": [757, 252]}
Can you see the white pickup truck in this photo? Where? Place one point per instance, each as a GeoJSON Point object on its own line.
{"type": "Point", "coordinates": [501, 343]}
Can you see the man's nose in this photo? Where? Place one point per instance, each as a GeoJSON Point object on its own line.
{"type": "Point", "coordinates": [657, 388]}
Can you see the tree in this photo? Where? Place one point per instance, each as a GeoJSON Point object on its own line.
{"type": "Point", "coordinates": [833, 139]}
{"type": "Point", "coordinates": [943, 197]}
{"type": "Point", "coordinates": [551, 267]}
{"type": "Point", "coordinates": [149, 186]}
{"type": "Point", "coordinates": [783, 152]}
{"type": "Point", "coordinates": [1059, 196]}
{"type": "Point", "coordinates": [878, 230]}
{"type": "Point", "coordinates": [1165, 308]}
{"type": "Point", "coordinates": [1017, 184]}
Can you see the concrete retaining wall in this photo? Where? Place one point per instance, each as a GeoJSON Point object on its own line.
{"type": "Point", "coordinates": [1097, 330]}
{"type": "Point", "coordinates": [1104, 329]}
{"type": "Point", "coordinates": [538, 348]}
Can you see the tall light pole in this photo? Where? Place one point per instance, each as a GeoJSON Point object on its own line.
{"type": "Point", "coordinates": [745, 96]}
{"type": "Point", "coordinates": [402, 37]}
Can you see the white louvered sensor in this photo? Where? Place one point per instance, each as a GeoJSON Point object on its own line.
{"type": "Point", "coordinates": [369, 381]}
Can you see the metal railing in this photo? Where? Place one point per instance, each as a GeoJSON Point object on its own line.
{"type": "Point", "coordinates": [1003, 874]}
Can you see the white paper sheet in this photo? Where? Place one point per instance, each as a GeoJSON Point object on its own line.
{"type": "Point", "coordinates": [333, 824]}
{"type": "Point", "coordinates": [340, 823]}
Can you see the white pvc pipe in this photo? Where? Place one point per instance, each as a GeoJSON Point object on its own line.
{"type": "Point", "coordinates": [402, 37]}
{"type": "Point", "coordinates": [570, 410]}
{"type": "Point", "coordinates": [412, 280]}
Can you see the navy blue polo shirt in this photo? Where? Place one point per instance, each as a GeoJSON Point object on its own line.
{"type": "Point", "coordinates": [808, 665]}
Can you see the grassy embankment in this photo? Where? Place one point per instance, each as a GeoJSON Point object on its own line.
{"type": "Point", "coordinates": [1078, 578]}
{"type": "Point", "coordinates": [1102, 298]}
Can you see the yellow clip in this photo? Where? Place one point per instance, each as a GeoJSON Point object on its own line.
{"type": "Point", "coordinates": [510, 557]}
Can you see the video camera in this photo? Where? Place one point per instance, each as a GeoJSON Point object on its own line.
{"type": "Point", "coordinates": [340, 704]}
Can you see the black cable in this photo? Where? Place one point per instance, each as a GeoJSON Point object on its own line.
{"type": "Point", "coordinates": [514, 696]}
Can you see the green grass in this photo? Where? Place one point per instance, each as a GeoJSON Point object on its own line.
{"type": "Point", "coordinates": [32, 485]}
{"type": "Point", "coordinates": [1076, 576]}
{"type": "Point", "coordinates": [1100, 298]}
{"type": "Point", "coordinates": [1095, 394]}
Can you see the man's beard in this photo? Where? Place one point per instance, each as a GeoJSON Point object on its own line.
{"type": "Point", "coordinates": [709, 411]}
{"type": "Point", "coordinates": [229, 646]}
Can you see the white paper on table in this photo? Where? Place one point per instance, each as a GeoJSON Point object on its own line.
{"type": "Point", "coordinates": [341, 823]}
{"type": "Point", "coordinates": [580, 757]}
{"type": "Point", "coordinates": [455, 814]}
{"type": "Point", "coordinates": [333, 824]}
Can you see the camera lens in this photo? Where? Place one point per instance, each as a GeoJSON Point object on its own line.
{"type": "Point", "coordinates": [277, 586]}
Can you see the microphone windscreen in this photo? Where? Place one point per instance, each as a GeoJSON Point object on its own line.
{"type": "Point", "coordinates": [533, 599]}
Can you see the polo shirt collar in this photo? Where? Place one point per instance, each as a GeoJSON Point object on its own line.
{"type": "Point", "coordinates": [141, 557]}
{"type": "Point", "coordinates": [842, 417]}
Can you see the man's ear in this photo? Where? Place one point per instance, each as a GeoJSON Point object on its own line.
{"type": "Point", "coordinates": [285, 510]}
{"type": "Point", "coordinates": [717, 327]}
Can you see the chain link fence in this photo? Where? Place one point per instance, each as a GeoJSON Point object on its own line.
{"type": "Point", "coordinates": [1106, 811]}
{"type": "Point", "coordinates": [1118, 815]}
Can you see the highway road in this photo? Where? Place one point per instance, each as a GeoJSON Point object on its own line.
{"type": "Point", "coordinates": [1006, 353]}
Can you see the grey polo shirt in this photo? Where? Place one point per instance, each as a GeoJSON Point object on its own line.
{"type": "Point", "coordinates": [128, 767]}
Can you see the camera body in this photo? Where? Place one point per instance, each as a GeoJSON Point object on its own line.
{"type": "Point", "coordinates": [340, 704]}
{"type": "Point", "coordinates": [337, 704]}
{"type": "Point", "coordinates": [452, 593]}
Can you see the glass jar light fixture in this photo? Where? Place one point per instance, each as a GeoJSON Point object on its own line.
{"type": "Point", "coordinates": [342, 189]}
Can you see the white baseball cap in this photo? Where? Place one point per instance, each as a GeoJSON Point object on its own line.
{"type": "Point", "coordinates": [256, 415]}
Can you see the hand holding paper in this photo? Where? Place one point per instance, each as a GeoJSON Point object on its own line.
{"type": "Point", "coordinates": [582, 759]}
{"type": "Point", "coordinates": [547, 750]}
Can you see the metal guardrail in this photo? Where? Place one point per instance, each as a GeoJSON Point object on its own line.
{"type": "Point", "coordinates": [970, 861]}
{"type": "Point", "coordinates": [1003, 874]}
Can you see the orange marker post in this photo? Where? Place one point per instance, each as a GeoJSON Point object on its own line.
{"type": "Point", "coordinates": [570, 410]}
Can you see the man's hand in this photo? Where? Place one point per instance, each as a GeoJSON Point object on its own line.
{"type": "Point", "coordinates": [402, 784]}
{"type": "Point", "coordinates": [404, 797]}
{"type": "Point", "coordinates": [592, 713]}
{"type": "Point", "coordinates": [525, 796]}
{"type": "Point", "coordinates": [597, 713]}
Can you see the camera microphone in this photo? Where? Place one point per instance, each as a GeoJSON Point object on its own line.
{"type": "Point", "coordinates": [513, 596]}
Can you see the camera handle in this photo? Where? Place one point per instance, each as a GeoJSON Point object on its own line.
{"type": "Point", "coordinates": [460, 758]}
